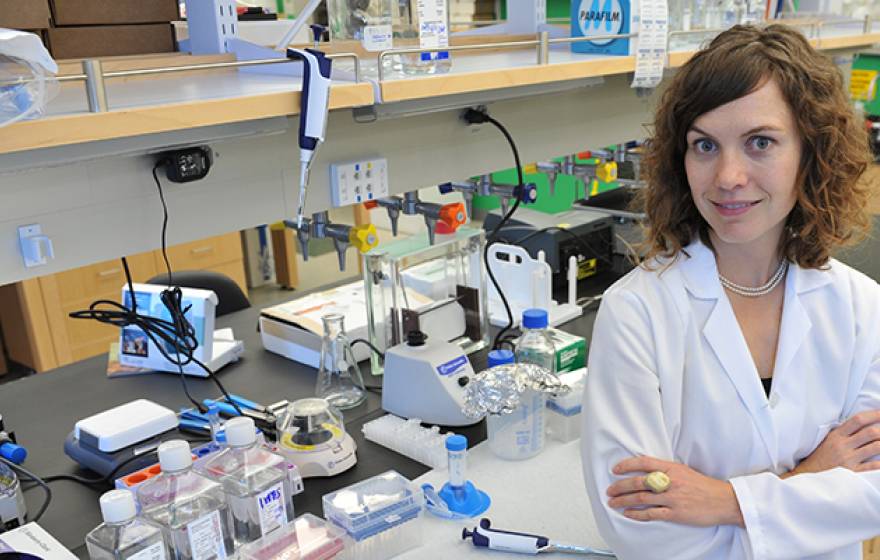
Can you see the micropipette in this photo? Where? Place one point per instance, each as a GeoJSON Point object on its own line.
{"type": "Point", "coordinates": [484, 536]}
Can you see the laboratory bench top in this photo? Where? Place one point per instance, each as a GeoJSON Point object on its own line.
{"type": "Point", "coordinates": [42, 409]}
{"type": "Point", "coordinates": [174, 102]}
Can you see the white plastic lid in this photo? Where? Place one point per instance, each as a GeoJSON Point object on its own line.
{"type": "Point", "coordinates": [240, 431]}
{"type": "Point", "coordinates": [175, 455]}
{"type": "Point", "coordinates": [117, 506]}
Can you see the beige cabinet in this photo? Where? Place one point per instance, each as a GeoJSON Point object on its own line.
{"type": "Point", "coordinates": [37, 328]}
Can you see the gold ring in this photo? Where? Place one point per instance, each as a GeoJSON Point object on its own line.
{"type": "Point", "coordinates": [657, 482]}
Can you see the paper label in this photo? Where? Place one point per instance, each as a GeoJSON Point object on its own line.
{"type": "Point", "coordinates": [453, 366]}
{"type": "Point", "coordinates": [378, 38]}
{"type": "Point", "coordinates": [272, 507]}
{"type": "Point", "coordinates": [206, 538]}
{"type": "Point", "coordinates": [652, 42]}
{"type": "Point", "coordinates": [155, 551]}
{"type": "Point", "coordinates": [433, 27]}
{"type": "Point", "coordinates": [862, 84]}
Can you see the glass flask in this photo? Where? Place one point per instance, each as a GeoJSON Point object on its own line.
{"type": "Point", "coordinates": [339, 377]}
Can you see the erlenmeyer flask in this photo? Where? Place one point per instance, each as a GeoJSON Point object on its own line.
{"type": "Point", "coordinates": [339, 377]}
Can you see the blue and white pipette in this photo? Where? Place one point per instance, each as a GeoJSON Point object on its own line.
{"type": "Point", "coordinates": [484, 536]}
{"type": "Point", "coordinates": [314, 106]}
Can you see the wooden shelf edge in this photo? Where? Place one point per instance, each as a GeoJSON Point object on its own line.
{"type": "Point", "coordinates": [78, 128]}
{"type": "Point", "coordinates": [89, 127]}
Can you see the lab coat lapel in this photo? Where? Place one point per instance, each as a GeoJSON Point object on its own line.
{"type": "Point", "coordinates": [794, 328]}
{"type": "Point", "coordinates": [725, 338]}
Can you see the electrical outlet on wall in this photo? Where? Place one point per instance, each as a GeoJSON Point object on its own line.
{"type": "Point", "coordinates": [358, 181]}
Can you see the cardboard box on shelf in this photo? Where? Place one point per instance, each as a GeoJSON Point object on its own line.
{"type": "Point", "coordinates": [110, 40]}
{"type": "Point", "coordinates": [24, 14]}
{"type": "Point", "coordinates": [4, 367]}
{"type": "Point", "coordinates": [102, 12]}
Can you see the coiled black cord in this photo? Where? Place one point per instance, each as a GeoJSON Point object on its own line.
{"type": "Point", "coordinates": [177, 335]}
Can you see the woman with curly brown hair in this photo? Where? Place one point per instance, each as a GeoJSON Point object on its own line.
{"type": "Point", "coordinates": [731, 408]}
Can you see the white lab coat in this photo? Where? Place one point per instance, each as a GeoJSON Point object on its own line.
{"type": "Point", "coordinates": [670, 376]}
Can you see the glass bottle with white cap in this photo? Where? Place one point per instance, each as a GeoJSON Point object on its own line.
{"type": "Point", "coordinates": [122, 535]}
{"type": "Point", "coordinates": [255, 480]}
{"type": "Point", "coordinates": [190, 508]}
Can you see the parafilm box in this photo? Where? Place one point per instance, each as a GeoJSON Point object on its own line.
{"type": "Point", "coordinates": [600, 18]}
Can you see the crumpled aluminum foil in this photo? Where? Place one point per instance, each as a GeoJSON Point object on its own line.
{"type": "Point", "coordinates": [497, 390]}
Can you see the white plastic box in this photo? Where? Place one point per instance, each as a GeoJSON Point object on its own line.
{"type": "Point", "coordinates": [564, 411]}
{"type": "Point", "coordinates": [382, 515]}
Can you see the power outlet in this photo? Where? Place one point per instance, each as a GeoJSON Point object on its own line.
{"type": "Point", "coordinates": [358, 181]}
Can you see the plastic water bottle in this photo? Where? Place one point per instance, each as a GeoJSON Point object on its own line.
{"type": "Point", "coordinates": [122, 535]}
{"type": "Point", "coordinates": [535, 345]}
{"type": "Point", "coordinates": [255, 480]}
{"type": "Point", "coordinates": [191, 509]}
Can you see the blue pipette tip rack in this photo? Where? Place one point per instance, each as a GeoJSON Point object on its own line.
{"type": "Point", "coordinates": [466, 500]}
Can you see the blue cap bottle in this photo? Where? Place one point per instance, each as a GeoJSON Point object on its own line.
{"type": "Point", "coordinates": [500, 357]}
{"type": "Point", "coordinates": [534, 319]}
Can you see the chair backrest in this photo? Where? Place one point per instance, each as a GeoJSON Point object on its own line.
{"type": "Point", "coordinates": [229, 296]}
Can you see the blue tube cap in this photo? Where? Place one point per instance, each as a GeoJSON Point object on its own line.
{"type": "Point", "coordinates": [13, 453]}
{"type": "Point", "coordinates": [500, 357]}
{"type": "Point", "coordinates": [534, 319]}
{"type": "Point", "coordinates": [456, 443]}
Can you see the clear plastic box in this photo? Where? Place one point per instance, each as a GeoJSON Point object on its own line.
{"type": "Point", "coordinates": [564, 411]}
{"type": "Point", "coordinates": [439, 289]}
{"type": "Point", "coordinates": [307, 538]}
{"type": "Point", "coordinates": [382, 515]}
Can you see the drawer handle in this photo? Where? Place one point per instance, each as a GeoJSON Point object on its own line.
{"type": "Point", "coordinates": [109, 272]}
{"type": "Point", "coordinates": [202, 250]}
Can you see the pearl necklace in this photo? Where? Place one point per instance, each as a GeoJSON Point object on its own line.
{"type": "Point", "coordinates": [758, 291]}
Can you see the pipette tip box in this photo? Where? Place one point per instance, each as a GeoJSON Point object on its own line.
{"type": "Point", "coordinates": [382, 515]}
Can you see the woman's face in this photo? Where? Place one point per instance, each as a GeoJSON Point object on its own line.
{"type": "Point", "coordinates": [742, 162]}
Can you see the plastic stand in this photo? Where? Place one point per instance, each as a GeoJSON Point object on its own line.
{"type": "Point", "coordinates": [527, 283]}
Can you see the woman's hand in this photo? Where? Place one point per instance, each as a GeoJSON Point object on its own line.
{"type": "Point", "coordinates": [691, 499]}
{"type": "Point", "coordinates": [852, 445]}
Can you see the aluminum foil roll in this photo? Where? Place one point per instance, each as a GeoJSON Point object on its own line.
{"type": "Point", "coordinates": [497, 390]}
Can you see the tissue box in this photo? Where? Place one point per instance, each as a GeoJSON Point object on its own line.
{"type": "Point", "coordinates": [592, 19]}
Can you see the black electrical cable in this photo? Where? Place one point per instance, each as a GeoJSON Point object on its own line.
{"type": "Point", "coordinates": [177, 334]}
{"type": "Point", "coordinates": [370, 344]}
{"type": "Point", "coordinates": [474, 116]}
{"type": "Point", "coordinates": [90, 482]}
{"type": "Point", "coordinates": [164, 218]}
{"type": "Point", "coordinates": [31, 476]}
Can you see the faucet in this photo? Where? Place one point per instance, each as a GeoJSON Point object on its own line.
{"type": "Point", "coordinates": [453, 214]}
{"type": "Point", "coordinates": [363, 238]}
{"type": "Point", "coordinates": [484, 186]}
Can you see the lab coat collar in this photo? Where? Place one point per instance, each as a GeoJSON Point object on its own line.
{"type": "Point", "coordinates": [700, 273]}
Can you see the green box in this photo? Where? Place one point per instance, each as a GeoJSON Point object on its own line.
{"type": "Point", "coordinates": [571, 350]}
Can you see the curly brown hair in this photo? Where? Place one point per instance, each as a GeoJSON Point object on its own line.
{"type": "Point", "coordinates": [831, 201]}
